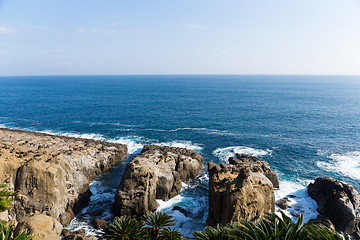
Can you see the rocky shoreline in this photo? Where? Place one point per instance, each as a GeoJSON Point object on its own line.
{"type": "Point", "coordinates": [51, 175]}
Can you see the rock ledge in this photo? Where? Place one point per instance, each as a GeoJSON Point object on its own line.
{"type": "Point", "coordinates": [51, 173]}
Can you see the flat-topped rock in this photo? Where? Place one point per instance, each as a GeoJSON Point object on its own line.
{"type": "Point", "coordinates": [156, 173]}
{"type": "Point", "coordinates": [51, 173]}
{"type": "Point", "coordinates": [240, 190]}
{"type": "Point", "coordinates": [257, 163]}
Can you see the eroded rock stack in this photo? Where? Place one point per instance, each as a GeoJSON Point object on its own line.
{"type": "Point", "coordinates": [338, 201]}
{"type": "Point", "coordinates": [244, 189]}
{"type": "Point", "coordinates": [156, 173]}
{"type": "Point", "coordinates": [50, 174]}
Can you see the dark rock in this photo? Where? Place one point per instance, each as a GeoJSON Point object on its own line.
{"type": "Point", "coordinates": [156, 173]}
{"type": "Point", "coordinates": [282, 203]}
{"type": "Point", "coordinates": [182, 210]}
{"type": "Point", "coordinates": [98, 223]}
{"type": "Point", "coordinates": [78, 235]}
{"type": "Point", "coordinates": [337, 201]}
{"type": "Point", "coordinates": [93, 213]}
{"type": "Point", "coordinates": [326, 222]}
{"type": "Point", "coordinates": [65, 232]}
{"type": "Point", "coordinates": [82, 201]}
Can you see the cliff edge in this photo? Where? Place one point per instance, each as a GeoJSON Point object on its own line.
{"type": "Point", "coordinates": [51, 174]}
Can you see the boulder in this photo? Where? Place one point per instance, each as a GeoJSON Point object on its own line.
{"type": "Point", "coordinates": [156, 173]}
{"type": "Point", "coordinates": [65, 232]}
{"type": "Point", "coordinates": [338, 201]}
{"type": "Point", "coordinates": [98, 223]}
{"type": "Point", "coordinates": [77, 235]}
{"type": "Point", "coordinates": [90, 238]}
{"type": "Point", "coordinates": [182, 210]}
{"type": "Point", "coordinates": [43, 227]}
{"type": "Point", "coordinates": [283, 203]}
{"type": "Point", "coordinates": [51, 174]}
{"type": "Point", "coordinates": [238, 191]}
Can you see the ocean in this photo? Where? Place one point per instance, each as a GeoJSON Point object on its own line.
{"type": "Point", "coordinates": [304, 126]}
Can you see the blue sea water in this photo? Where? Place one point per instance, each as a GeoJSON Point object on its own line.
{"type": "Point", "coordinates": [304, 126]}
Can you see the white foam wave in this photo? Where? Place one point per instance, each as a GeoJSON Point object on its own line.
{"type": "Point", "coordinates": [347, 165]}
{"type": "Point", "coordinates": [224, 153]}
{"type": "Point", "coordinates": [185, 224]}
{"type": "Point", "coordinates": [134, 143]}
{"type": "Point", "coordinates": [167, 204]}
{"type": "Point", "coordinates": [182, 144]}
{"type": "Point", "coordinates": [298, 199]}
{"type": "Point", "coordinates": [77, 224]}
{"type": "Point", "coordinates": [93, 136]}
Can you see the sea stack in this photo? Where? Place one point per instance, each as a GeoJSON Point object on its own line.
{"type": "Point", "coordinates": [338, 201]}
{"type": "Point", "coordinates": [51, 174]}
{"type": "Point", "coordinates": [244, 189]}
{"type": "Point", "coordinates": [156, 173]}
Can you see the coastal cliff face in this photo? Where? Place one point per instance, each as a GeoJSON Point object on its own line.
{"type": "Point", "coordinates": [156, 173]}
{"type": "Point", "coordinates": [241, 190]}
{"type": "Point", "coordinates": [50, 174]}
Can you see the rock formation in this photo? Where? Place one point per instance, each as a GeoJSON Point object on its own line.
{"type": "Point", "coordinates": [50, 174]}
{"type": "Point", "coordinates": [244, 189]}
{"type": "Point", "coordinates": [156, 173]}
{"type": "Point", "coordinates": [338, 201]}
{"type": "Point", "coordinates": [257, 163]}
{"type": "Point", "coordinates": [43, 227]}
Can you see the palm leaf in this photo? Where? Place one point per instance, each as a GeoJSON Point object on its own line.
{"type": "Point", "coordinates": [124, 228]}
{"type": "Point", "coordinates": [169, 234]}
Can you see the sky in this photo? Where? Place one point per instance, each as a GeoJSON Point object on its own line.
{"type": "Point", "coordinates": [110, 37]}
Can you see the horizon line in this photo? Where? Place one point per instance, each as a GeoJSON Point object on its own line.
{"type": "Point", "coordinates": [182, 74]}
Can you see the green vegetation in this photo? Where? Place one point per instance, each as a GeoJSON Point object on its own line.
{"type": "Point", "coordinates": [5, 202]}
{"type": "Point", "coordinates": [152, 226]}
{"type": "Point", "coordinates": [7, 229]}
{"type": "Point", "coordinates": [6, 233]}
{"type": "Point", "coordinates": [271, 227]}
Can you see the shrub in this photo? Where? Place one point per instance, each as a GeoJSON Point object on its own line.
{"type": "Point", "coordinates": [7, 229]}
{"type": "Point", "coordinates": [152, 226]}
{"type": "Point", "coordinates": [270, 227]}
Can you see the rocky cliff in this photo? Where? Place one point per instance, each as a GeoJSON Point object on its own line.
{"type": "Point", "coordinates": [50, 174]}
{"type": "Point", "coordinates": [156, 173]}
{"type": "Point", "coordinates": [244, 189]}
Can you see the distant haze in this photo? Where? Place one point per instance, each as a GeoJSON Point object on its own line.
{"type": "Point", "coordinates": [41, 37]}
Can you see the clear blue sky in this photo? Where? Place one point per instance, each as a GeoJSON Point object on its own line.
{"type": "Point", "coordinates": [63, 37]}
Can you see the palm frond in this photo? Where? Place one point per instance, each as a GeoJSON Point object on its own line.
{"type": "Point", "coordinates": [124, 228]}
{"type": "Point", "coordinates": [169, 234]}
